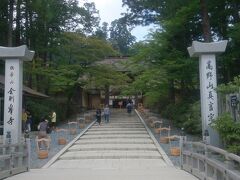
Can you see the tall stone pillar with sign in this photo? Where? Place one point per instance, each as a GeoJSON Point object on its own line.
{"type": "Point", "coordinates": [14, 57]}
{"type": "Point", "coordinates": [208, 82]}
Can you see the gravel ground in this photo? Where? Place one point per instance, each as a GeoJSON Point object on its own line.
{"type": "Point", "coordinates": [174, 131]}
{"type": "Point", "coordinates": [35, 162]}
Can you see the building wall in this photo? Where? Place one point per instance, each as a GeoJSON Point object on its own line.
{"type": "Point", "coordinates": [95, 101]}
{"type": "Point", "coordinates": [85, 102]}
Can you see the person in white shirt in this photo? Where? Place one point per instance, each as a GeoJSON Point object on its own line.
{"type": "Point", "coordinates": [53, 120]}
{"type": "Point", "coordinates": [106, 113]}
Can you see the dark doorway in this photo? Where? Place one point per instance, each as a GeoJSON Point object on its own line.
{"type": "Point", "coordinates": [116, 101]}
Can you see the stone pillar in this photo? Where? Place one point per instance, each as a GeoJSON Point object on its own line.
{"type": "Point", "coordinates": [208, 82]}
{"type": "Point", "coordinates": [14, 57]}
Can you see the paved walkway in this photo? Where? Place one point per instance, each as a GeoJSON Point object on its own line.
{"type": "Point", "coordinates": [121, 149]}
{"type": "Point", "coordinates": [36, 163]}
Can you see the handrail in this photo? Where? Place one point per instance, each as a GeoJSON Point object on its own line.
{"type": "Point", "coordinates": [61, 130]}
{"type": "Point", "coordinates": [157, 122]}
{"type": "Point", "coordinates": [11, 145]}
{"type": "Point", "coordinates": [209, 162]}
{"type": "Point", "coordinates": [14, 159]}
{"type": "Point", "coordinates": [216, 149]}
{"type": "Point", "coordinates": [72, 122]}
{"type": "Point", "coordinates": [194, 143]}
{"type": "Point", "coordinates": [233, 157]}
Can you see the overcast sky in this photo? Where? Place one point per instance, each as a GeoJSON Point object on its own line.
{"type": "Point", "coordinates": [110, 10]}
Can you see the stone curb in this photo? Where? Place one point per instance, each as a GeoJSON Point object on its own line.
{"type": "Point", "coordinates": [51, 161]}
{"type": "Point", "coordinates": [161, 151]}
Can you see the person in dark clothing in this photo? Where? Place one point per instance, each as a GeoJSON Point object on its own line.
{"type": "Point", "coordinates": [42, 127]}
{"type": "Point", "coordinates": [98, 116]}
{"type": "Point", "coordinates": [28, 123]}
{"type": "Point", "coordinates": [129, 101]}
{"type": "Point", "coordinates": [129, 108]}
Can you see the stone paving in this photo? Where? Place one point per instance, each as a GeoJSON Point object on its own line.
{"type": "Point", "coordinates": [121, 149]}
{"type": "Point", "coordinates": [35, 162]}
{"type": "Point", "coordinates": [174, 131]}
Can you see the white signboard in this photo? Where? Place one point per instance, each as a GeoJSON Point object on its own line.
{"type": "Point", "coordinates": [208, 85]}
{"type": "Point", "coordinates": [13, 101]}
{"type": "Point", "coordinates": [14, 57]}
{"type": "Point", "coordinates": [110, 102]}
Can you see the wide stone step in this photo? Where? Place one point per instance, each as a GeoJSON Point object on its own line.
{"type": "Point", "coordinates": [119, 123]}
{"type": "Point", "coordinates": [93, 170]}
{"type": "Point", "coordinates": [123, 120]}
{"type": "Point", "coordinates": [143, 164]}
{"type": "Point", "coordinates": [119, 126]}
{"type": "Point", "coordinates": [115, 141]}
{"type": "Point", "coordinates": [96, 147]}
{"type": "Point", "coordinates": [116, 124]}
{"type": "Point", "coordinates": [116, 129]}
{"type": "Point", "coordinates": [114, 136]}
{"type": "Point", "coordinates": [115, 132]}
{"type": "Point", "coordinates": [122, 126]}
{"type": "Point", "coordinates": [111, 155]}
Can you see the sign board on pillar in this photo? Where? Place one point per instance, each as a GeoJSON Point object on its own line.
{"type": "Point", "coordinates": [208, 82]}
{"type": "Point", "coordinates": [14, 57]}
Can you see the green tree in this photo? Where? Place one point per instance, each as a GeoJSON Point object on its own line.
{"type": "Point", "coordinates": [218, 24]}
{"type": "Point", "coordinates": [104, 77]}
{"type": "Point", "coordinates": [120, 36]}
{"type": "Point", "coordinates": [3, 22]}
{"type": "Point", "coordinates": [75, 53]}
{"type": "Point", "coordinates": [102, 32]}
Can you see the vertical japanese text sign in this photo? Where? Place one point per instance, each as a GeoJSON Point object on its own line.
{"type": "Point", "coordinates": [14, 57]}
{"type": "Point", "coordinates": [13, 97]}
{"type": "Point", "coordinates": [208, 82]}
{"type": "Point", "coordinates": [208, 85]}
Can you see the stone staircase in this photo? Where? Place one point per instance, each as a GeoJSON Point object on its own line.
{"type": "Point", "coordinates": [119, 139]}
{"type": "Point", "coordinates": [120, 150]}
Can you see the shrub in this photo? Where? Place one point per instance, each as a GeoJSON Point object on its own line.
{"type": "Point", "coordinates": [229, 132]}
{"type": "Point", "coordinates": [184, 115]}
{"type": "Point", "coordinates": [40, 108]}
{"type": "Point", "coordinates": [193, 123]}
{"type": "Point", "coordinates": [174, 112]}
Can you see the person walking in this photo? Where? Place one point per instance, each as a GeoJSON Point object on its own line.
{"type": "Point", "coordinates": [120, 103]}
{"type": "Point", "coordinates": [29, 122]}
{"type": "Point", "coordinates": [98, 116]}
{"type": "Point", "coordinates": [129, 101]}
{"type": "Point", "coordinates": [53, 120]}
{"type": "Point", "coordinates": [24, 120]}
{"type": "Point", "coordinates": [106, 113]}
{"type": "Point", "coordinates": [42, 127]}
{"type": "Point", "coordinates": [129, 108]}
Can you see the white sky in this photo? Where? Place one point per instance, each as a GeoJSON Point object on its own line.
{"type": "Point", "coordinates": [110, 10]}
